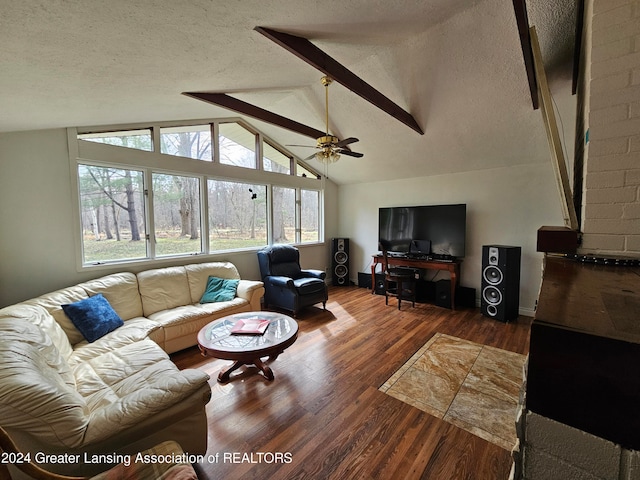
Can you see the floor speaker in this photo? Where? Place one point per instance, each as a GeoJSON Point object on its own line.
{"type": "Point", "coordinates": [465, 296]}
{"type": "Point", "coordinates": [340, 261]}
{"type": "Point", "coordinates": [443, 293]}
{"type": "Point", "coordinates": [379, 286]}
{"type": "Point", "coordinates": [500, 296]}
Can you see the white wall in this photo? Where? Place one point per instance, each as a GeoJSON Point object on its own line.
{"type": "Point", "coordinates": [36, 221]}
{"type": "Point", "coordinates": [504, 206]}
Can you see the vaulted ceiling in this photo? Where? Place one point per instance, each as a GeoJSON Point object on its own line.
{"type": "Point", "coordinates": [455, 65]}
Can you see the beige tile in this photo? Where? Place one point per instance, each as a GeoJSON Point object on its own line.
{"type": "Point", "coordinates": [507, 364]}
{"type": "Point", "coordinates": [416, 403]}
{"type": "Point", "coordinates": [472, 386]}
{"type": "Point", "coordinates": [394, 378]}
{"type": "Point", "coordinates": [426, 388]}
{"type": "Point", "coordinates": [484, 412]}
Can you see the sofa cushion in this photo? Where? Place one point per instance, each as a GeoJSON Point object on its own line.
{"type": "Point", "coordinates": [52, 302]}
{"type": "Point", "coordinates": [306, 286]}
{"type": "Point", "coordinates": [191, 318]}
{"type": "Point", "coordinates": [129, 384]}
{"type": "Point", "coordinates": [121, 290]}
{"type": "Point", "coordinates": [219, 290]}
{"type": "Point", "coordinates": [93, 316]}
{"type": "Point", "coordinates": [133, 330]}
{"type": "Point", "coordinates": [41, 318]}
{"type": "Point", "coordinates": [37, 388]}
{"type": "Point", "coordinates": [198, 275]}
{"type": "Point", "coordinates": [163, 288]}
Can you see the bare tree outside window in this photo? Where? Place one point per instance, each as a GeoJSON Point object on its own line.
{"type": "Point", "coordinates": [309, 216]}
{"type": "Point", "coordinates": [111, 201]}
{"type": "Point", "coordinates": [284, 215]}
{"type": "Point", "coordinates": [176, 213]}
{"type": "Point", "coordinates": [237, 145]}
{"type": "Point", "coordinates": [191, 142]}
{"type": "Point", "coordinates": [237, 215]}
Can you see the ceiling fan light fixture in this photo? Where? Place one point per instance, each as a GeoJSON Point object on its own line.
{"type": "Point", "coordinates": [327, 155]}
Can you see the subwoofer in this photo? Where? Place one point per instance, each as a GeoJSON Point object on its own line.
{"type": "Point", "coordinates": [340, 261]}
{"type": "Point", "coordinates": [500, 296]}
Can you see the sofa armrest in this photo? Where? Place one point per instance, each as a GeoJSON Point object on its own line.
{"type": "Point", "coordinates": [252, 291]}
{"type": "Point", "coordinates": [314, 273]}
{"type": "Point", "coordinates": [280, 281]}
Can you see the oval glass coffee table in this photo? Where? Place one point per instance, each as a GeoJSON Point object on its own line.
{"type": "Point", "coordinates": [216, 340]}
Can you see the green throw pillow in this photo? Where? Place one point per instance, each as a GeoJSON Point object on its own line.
{"type": "Point", "coordinates": [219, 290]}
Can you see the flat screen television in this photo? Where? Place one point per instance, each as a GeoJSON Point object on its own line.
{"type": "Point", "coordinates": [440, 228]}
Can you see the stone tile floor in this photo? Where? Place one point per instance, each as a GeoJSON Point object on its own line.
{"type": "Point", "coordinates": [472, 386]}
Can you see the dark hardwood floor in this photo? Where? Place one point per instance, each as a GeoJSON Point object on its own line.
{"type": "Point", "coordinates": [323, 416]}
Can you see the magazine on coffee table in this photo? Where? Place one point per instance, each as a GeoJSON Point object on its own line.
{"type": "Point", "coordinates": [250, 326]}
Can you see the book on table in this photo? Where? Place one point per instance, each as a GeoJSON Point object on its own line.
{"type": "Point", "coordinates": [250, 326]}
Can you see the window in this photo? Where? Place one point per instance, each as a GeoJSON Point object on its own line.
{"type": "Point", "coordinates": [309, 216]}
{"type": "Point", "coordinates": [303, 171]}
{"type": "Point", "coordinates": [185, 198]}
{"type": "Point", "coordinates": [274, 160]}
{"type": "Point", "coordinates": [138, 139]}
{"type": "Point", "coordinates": [237, 145]}
{"type": "Point", "coordinates": [111, 213]}
{"type": "Point", "coordinates": [284, 215]}
{"type": "Point", "coordinates": [190, 142]}
{"type": "Point", "coordinates": [237, 215]}
{"type": "Point", "coordinates": [176, 214]}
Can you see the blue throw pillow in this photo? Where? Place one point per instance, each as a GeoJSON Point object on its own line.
{"type": "Point", "coordinates": [93, 316]}
{"type": "Point", "coordinates": [219, 290]}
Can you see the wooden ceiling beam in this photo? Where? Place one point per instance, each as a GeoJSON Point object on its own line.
{"type": "Point", "coordinates": [307, 51]}
{"type": "Point", "coordinates": [239, 106]}
{"type": "Point", "coordinates": [522, 19]}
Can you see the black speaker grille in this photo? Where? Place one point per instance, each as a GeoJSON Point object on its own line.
{"type": "Point", "coordinates": [340, 261]}
{"type": "Point", "coordinates": [500, 297]}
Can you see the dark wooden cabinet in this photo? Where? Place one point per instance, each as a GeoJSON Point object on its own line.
{"type": "Point", "coordinates": [585, 349]}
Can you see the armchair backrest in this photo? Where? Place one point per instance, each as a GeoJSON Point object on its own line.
{"type": "Point", "coordinates": [279, 260]}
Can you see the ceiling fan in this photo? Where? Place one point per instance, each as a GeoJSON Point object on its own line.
{"type": "Point", "coordinates": [330, 147]}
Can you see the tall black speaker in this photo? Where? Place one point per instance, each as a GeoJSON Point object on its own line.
{"type": "Point", "coordinates": [340, 261]}
{"type": "Point", "coordinates": [500, 297]}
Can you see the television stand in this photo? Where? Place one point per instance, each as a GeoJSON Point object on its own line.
{"type": "Point", "coordinates": [452, 266]}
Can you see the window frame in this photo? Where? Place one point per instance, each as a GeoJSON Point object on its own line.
{"type": "Point", "coordinates": [105, 155]}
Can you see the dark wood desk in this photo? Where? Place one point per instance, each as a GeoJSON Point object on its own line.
{"type": "Point", "coordinates": [452, 267]}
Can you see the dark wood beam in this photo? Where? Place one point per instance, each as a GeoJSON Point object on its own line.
{"type": "Point", "coordinates": [522, 19]}
{"type": "Point", "coordinates": [304, 49]}
{"type": "Point", "coordinates": [225, 101]}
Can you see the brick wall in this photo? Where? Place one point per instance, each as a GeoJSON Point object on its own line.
{"type": "Point", "coordinates": [611, 183]}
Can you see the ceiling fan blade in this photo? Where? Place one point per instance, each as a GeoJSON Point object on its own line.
{"type": "Point", "coordinates": [346, 141]}
{"type": "Point", "coordinates": [250, 110]}
{"type": "Point", "coordinates": [350, 153]}
{"type": "Point", "coordinates": [307, 51]}
{"type": "Point", "coordinates": [303, 146]}
{"type": "Point", "coordinates": [313, 155]}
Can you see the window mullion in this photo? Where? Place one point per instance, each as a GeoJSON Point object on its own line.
{"type": "Point", "coordinates": [148, 214]}
{"type": "Point", "coordinates": [205, 243]}
{"type": "Point", "coordinates": [298, 219]}
{"type": "Point", "coordinates": [270, 214]}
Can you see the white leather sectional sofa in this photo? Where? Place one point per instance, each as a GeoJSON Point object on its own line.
{"type": "Point", "coordinates": [62, 395]}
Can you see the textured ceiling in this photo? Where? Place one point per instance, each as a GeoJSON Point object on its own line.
{"type": "Point", "coordinates": [455, 65]}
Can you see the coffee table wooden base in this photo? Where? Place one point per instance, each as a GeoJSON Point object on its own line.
{"type": "Point", "coordinates": [225, 375]}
